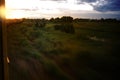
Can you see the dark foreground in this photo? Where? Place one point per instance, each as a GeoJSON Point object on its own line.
{"type": "Point", "coordinates": [90, 53]}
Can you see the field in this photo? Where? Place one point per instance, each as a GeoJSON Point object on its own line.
{"type": "Point", "coordinates": [91, 53]}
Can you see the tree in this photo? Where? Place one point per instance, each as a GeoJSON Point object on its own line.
{"type": "Point", "coordinates": [65, 25]}
{"type": "Point", "coordinates": [66, 19]}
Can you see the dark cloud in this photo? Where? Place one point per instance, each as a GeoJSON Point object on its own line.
{"type": "Point", "coordinates": [103, 5]}
{"type": "Point", "coordinates": [111, 5]}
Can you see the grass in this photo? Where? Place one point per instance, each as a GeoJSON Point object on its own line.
{"type": "Point", "coordinates": [90, 54]}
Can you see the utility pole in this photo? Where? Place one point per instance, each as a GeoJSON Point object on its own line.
{"type": "Point", "coordinates": [3, 44]}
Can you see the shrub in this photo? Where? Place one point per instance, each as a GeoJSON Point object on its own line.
{"type": "Point", "coordinates": [65, 27]}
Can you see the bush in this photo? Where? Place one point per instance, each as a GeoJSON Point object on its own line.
{"type": "Point", "coordinates": [40, 23]}
{"type": "Point", "coordinates": [57, 27]}
{"type": "Point", "coordinates": [65, 27]}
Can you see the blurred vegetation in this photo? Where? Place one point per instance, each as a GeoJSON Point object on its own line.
{"type": "Point", "coordinates": [41, 49]}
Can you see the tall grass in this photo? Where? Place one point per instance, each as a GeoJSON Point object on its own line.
{"type": "Point", "coordinates": [92, 53]}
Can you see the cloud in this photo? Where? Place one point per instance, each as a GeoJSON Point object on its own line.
{"type": "Point", "coordinates": [75, 8]}
{"type": "Point", "coordinates": [102, 5]}
{"type": "Point", "coordinates": [85, 1]}
{"type": "Point", "coordinates": [26, 9]}
{"type": "Point", "coordinates": [52, 0]}
{"type": "Point", "coordinates": [110, 5]}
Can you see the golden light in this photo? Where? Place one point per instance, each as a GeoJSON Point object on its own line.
{"type": "Point", "coordinates": [14, 14]}
{"type": "Point", "coordinates": [2, 11]}
{"type": "Point", "coordinates": [15, 8]}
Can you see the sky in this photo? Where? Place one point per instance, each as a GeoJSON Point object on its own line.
{"type": "Point", "coordinates": [94, 9]}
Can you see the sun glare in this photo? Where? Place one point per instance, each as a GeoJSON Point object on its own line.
{"type": "Point", "coordinates": [15, 14]}
{"type": "Point", "coordinates": [2, 12]}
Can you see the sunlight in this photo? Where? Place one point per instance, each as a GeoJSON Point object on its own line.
{"type": "Point", "coordinates": [20, 4]}
{"type": "Point", "coordinates": [19, 8]}
{"type": "Point", "coordinates": [2, 12]}
{"type": "Point", "coordinates": [16, 8]}
{"type": "Point", "coordinates": [16, 14]}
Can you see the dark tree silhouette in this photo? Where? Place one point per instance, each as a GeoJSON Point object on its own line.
{"type": "Point", "coordinates": [65, 25]}
{"type": "Point", "coordinates": [67, 19]}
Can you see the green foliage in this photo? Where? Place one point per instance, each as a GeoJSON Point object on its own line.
{"type": "Point", "coordinates": [92, 53]}
{"type": "Point", "coordinates": [40, 23]}
{"type": "Point", "coordinates": [65, 27]}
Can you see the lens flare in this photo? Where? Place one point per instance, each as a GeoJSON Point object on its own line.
{"type": "Point", "coordinates": [2, 12]}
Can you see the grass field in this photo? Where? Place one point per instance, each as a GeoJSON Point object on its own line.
{"type": "Point", "coordinates": [91, 53]}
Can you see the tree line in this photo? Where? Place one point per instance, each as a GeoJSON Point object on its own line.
{"type": "Point", "coordinates": [69, 18]}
